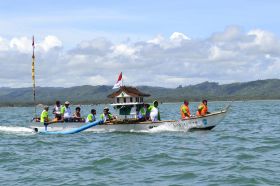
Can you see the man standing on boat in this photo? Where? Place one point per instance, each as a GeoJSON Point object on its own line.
{"type": "Point", "coordinates": [45, 115]}
{"type": "Point", "coordinates": [202, 108]}
{"type": "Point", "coordinates": [66, 112]}
{"type": "Point", "coordinates": [185, 111]}
{"type": "Point", "coordinates": [154, 111]}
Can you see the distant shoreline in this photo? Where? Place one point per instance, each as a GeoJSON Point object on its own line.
{"type": "Point", "coordinates": [169, 102]}
{"type": "Point", "coordinates": [254, 90]}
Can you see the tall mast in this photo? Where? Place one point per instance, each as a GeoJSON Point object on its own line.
{"type": "Point", "coordinates": [33, 77]}
{"type": "Point", "coordinates": [122, 82]}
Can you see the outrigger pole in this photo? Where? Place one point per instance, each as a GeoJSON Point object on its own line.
{"type": "Point", "coordinates": [33, 77]}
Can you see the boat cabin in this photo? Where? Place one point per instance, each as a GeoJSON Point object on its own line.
{"type": "Point", "coordinates": [128, 101]}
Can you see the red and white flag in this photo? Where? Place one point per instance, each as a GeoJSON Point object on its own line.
{"type": "Point", "coordinates": [119, 83]}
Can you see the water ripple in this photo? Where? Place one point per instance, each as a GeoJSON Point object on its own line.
{"type": "Point", "coordinates": [242, 150]}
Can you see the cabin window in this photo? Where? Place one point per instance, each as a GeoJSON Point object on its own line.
{"type": "Point", "coordinates": [124, 100]}
{"type": "Point", "coordinates": [118, 100]}
{"type": "Point", "coordinates": [141, 99]}
{"type": "Point", "coordinates": [131, 100]}
{"type": "Point", "coordinates": [137, 99]}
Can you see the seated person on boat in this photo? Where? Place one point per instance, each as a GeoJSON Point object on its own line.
{"type": "Point", "coordinates": [202, 109]}
{"type": "Point", "coordinates": [77, 115]}
{"type": "Point", "coordinates": [147, 115]}
{"type": "Point", "coordinates": [106, 116]}
{"type": "Point", "coordinates": [154, 114]}
{"type": "Point", "coordinates": [45, 115]}
{"type": "Point", "coordinates": [185, 111]}
{"type": "Point", "coordinates": [57, 111]}
{"type": "Point", "coordinates": [91, 116]}
{"type": "Point", "coordinates": [66, 112]}
{"type": "Point", "coordinates": [141, 112]}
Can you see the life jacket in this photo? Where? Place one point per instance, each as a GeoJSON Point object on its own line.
{"type": "Point", "coordinates": [106, 117]}
{"type": "Point", "coordinates": [202, 110]}
{"type": "Point", "coordinates": [141, 113]}
{"type": "Point", "coordinates": [185, 111]}
{"type": "Point", "coordinates": [156, 112]}
{"type": "Point", "coordinates": [66, 112]}
{"type": "Point", "coordinates": [90, 118]}
{"type": "Point", "coordinates": [44, 116]}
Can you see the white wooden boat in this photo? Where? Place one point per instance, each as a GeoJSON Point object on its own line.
{"type": "Point", "coordinates": [207, 122]}
{"type": "Point", "coordinates": [127, 102]}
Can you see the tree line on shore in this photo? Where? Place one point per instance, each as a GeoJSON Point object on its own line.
{"type": "Point", "coordinates": [253, 90]}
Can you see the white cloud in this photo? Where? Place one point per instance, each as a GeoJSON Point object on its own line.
{"type": "Point", "coordinates": [4, 46]}
{"type": "Point", "coordinates": [219, 54]}
{"type": "Point", "coordinates": [175, 40]}
{"type": "Point", "coordinates": [261, 36]}
{"type": "Point", "coordinates": [22, 44]}
{"type": "Point", "coordinates": [97, 80]}
{"type": "Point", "coordinates": [177, 36]}
{"type": "Point", "coordinates": [228, 56]}
{"type": "Point", "coordinates": [124, 50]}
{"type": "Point", "coordinates": [50, 42]}
{"type": "Point", "coordinates": [97, 43]}
{"type": "Point", "coordinates": [157, 40]}
{"type": "Point", "coordinates": [230, 34]}
{"type": "Point", "coordinates": [262, 41]}
{"type": "Point", "coordinates": [166, 79]}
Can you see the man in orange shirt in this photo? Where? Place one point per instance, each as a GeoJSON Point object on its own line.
{"type": "Point", "coordinates": [185, 111]}
{"type": "Point", "coordinates": [202, 109]}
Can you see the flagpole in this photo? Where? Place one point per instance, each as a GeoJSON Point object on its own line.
{"type": "Point", "coordinates": [122, 82]}
{"type": "Point", "coordinates": [33, 77]}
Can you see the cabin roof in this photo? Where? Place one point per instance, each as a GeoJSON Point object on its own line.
{"type": "Point", "coordinates": [132, 91]}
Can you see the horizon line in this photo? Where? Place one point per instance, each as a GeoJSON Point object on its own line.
{"type": "Point", "coordinates": [148, 85]}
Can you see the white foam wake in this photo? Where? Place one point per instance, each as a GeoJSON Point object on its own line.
{"type": "Point", "coordinates": [165, 128]}
{"type": "Point", "coordinates": [19, 130]}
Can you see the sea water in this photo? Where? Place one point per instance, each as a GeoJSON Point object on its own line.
{"type": "Point", "coordinates": [244, 149]}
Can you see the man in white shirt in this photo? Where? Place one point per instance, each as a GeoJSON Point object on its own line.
{"type": "Point", "coordinates": [57, 110]}
{"type": "Point", "coordinates": [66, 112]}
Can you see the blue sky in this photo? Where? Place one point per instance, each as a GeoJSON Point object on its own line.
{"type": "Point", "coordinates": [133, 19]}
{"type": "Point", "coordinates": [171, 41]}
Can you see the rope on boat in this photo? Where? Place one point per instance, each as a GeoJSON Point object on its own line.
{"type": "Point", "coordinates": [73, 131]}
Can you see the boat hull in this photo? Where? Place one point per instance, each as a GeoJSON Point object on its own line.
{"type": "Point", "coordinates": [207, 122]}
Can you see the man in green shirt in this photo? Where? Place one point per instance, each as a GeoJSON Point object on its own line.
{"type": "Point", "coordinates": [106, 116]}
{"type": "Point", "coordinates": [141, 112]}
{"type": "Point", "coordinates": [66, 112]}
{"type": "Point", "coordinates": [45, 115]}
{"type": "Point", "coordinates": [91, 116]}
{"type": "Point", "coordinates": [153, 111]}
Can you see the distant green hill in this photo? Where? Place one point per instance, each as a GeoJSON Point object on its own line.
{"type": "Point", "coordinates": [261, 89]}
